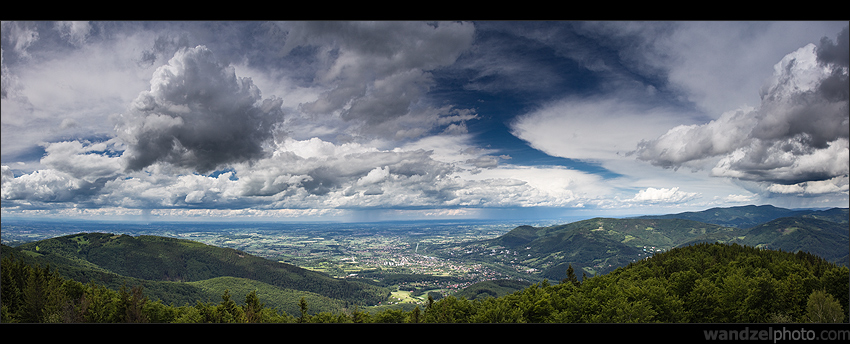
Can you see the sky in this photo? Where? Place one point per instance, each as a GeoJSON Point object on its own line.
{"type": "Point", "coordinates": [367, 121]}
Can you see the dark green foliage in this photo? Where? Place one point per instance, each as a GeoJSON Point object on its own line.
{"type": "Point", "coordinates": [571, 276]}
{"type": "Point", "coordinates": [493, 288]}
{"type": "Point", "coordinates": [155, 256]}
{"type": "Point", "coordinates": [130, 305]}
{"type": "Point", "coordinates": [253, 308]}
{"type": "Point", "coordinates": [302, 305]}
{"type": "Point", "coordinates": [38, 294]}
{"type": "Point", "coordinates": [35, 294]}
{"type": "Point", "coordinates": [390, 316]}
{"type": "Point", "coordinates": [283, 299]}
{"type": "Point", "coordinates": [698, 284]}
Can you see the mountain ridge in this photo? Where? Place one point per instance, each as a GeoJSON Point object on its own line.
{"type": "Point", "coordinates": [751, 215]}
{"type": "Point", "coordinates": [599, 245]}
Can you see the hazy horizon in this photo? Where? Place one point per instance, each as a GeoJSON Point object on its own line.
{"type": "Point", "coordinates": [404, 121]}
{"type": "Point", "coordinates": [559, 219]}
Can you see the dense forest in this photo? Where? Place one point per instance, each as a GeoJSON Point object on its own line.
{"type": "Point", "coordinates": [701, 283]}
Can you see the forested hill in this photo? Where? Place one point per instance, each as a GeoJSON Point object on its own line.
{"type": "Point", "coordinates": [600, 245]}
{"type": "Point", "coordinates": [594, 246]}
{"type": "Point", "coordinates": [701, 283]}
{"type": "Point", "coordinates": [113, 260]}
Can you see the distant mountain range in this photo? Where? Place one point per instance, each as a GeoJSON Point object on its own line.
{"type": "Point", "coordinates": [752, 215]}
{"type": "Point", "coordinates": [600, 245]}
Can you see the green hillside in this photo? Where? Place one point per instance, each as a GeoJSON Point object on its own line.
{"type": "Point", "coordinates": [703, 283]}
{"type": "Point", "coordinates": [593, 246]}
{"type": "Point", "coordinates": [791, 234]}
{"type": "Point", "coordinates": [837, 215]}
{"type": "Point", "coordinates": [164, 265]}
{"type": "Point", "coordinates": [285, 300]}
{"type": "Point", "coordinates": [600, 245]}
{"type": "Point", "coordinates": [494, 288]}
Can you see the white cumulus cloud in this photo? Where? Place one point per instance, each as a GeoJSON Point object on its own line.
{"type": "Point", "coordinates": [799, 134]}
{"type": "Point", "coordinates": [663, 195]}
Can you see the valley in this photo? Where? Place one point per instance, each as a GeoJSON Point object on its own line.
{"type": "Point", "coordinates": [371, 251]}
{"type": "Point", "coordinates": [414, 260]}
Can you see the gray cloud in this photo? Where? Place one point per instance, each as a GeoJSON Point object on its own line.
{"type": "Point", "coordinates": [332, 169]}
{"type": "Point", "coordinates": [798, 134]}
{"type": "Point", "coordinates": [75, 32]}
{"type": "Point", "coordinates": [163, 47]}
{"type": "Point", "coordinates": [838, 52]}
{"type": "Point", "coordinates": [197, 114]}
{"type": "Point", "coordinates": [835, 87]}
{"type": "Point", "coordinates": [376, 74]}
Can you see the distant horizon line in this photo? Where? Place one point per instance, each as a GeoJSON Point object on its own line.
{"type": "Point", "coordinates": [320, 220]}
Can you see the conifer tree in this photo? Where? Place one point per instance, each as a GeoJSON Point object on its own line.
{"type": "Point", "coordinates": [34, 297]}
{"type": "Point", "coordinates": [358, 316]}
{"type": "Point", "coordinates": [227, 310]}
{"type": "Point", "coordinates": [414, 315]}
{"type": "Point", "coordinates": [571, 276]}
{"type": "Point", "coordinates": [302, 305]}
{"type": "Point", "coordinates": [253, 308]}
{"type": "Point", "coordinates": [130, 305]}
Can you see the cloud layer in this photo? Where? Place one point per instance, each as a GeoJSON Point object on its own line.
{"type": "Point", "coordinates": [376, 74]}
{"type": "Point", "coordinates": [323, 118]}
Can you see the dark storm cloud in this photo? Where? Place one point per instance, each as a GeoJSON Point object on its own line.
{"type": "Point", "coordinates": [835, 87]}
{"type": "Point", "coordinates": [838, 52]}
{"type": "Point", "coordinates": [198, 114]}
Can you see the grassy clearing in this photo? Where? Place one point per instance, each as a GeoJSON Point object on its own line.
{"type": "Point", "coordinates": [404, 296]}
